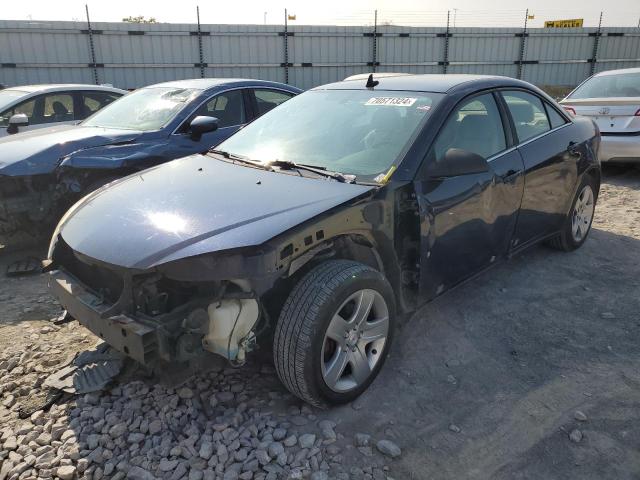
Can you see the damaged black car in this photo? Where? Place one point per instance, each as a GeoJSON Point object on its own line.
{"type": "Point", "coordinates": [43, 172]}
{"type": "Point", "coordinates": [316, 227]}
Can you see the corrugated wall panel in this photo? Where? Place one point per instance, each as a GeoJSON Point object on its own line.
{"type": "Point", "coordinates": [134, 55]}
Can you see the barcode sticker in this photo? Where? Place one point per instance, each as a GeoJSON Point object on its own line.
{"type": "Point", "coordinates": [393, 101]}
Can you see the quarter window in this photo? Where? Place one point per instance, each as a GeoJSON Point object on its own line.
{"type": "Point", "coordinates": [227, 107]}
{"type": "Point", "coordinates": [529, 116]}
{"type": "Point", "coordinates": [554, 117]}
{"type": "Point", "coordinates": [269, 99]}
{"type": "Point", "coordinates": [476, 127]}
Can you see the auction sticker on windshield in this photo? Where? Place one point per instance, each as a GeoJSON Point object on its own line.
{"type": "Point", "coordinates": [393, 101]}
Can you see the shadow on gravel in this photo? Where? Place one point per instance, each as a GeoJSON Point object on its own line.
{"type": "Point", "coordinates": [485, 381]}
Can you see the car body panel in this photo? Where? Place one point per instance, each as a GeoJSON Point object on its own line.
{"type": "Point", "coordinates": [223, 209]}
{"type": "Point", "coordinates": [33, 91]}
{"type": "Point", "coordinates": [50, 169]}
{"type": "Point", "coordinates": [617, 117]}
{"type": "Point", "coordinates": [41, 151]}
{"type": "Point", "coordinates": [203, 219]}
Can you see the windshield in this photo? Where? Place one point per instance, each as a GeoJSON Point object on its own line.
{"type": "Point", "coordinates": [8, 96]}
{"type": "Point", "coordinates": [603, 86]}
{"type": "Point", "coordinates": [357, 132]}
{"type": "Point", "coordinates": [145, 109]}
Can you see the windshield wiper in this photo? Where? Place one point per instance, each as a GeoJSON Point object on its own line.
{"type": "Point", "coordinates": [340, 177]}
{"type": "Point", "coordinates": [239, 158]}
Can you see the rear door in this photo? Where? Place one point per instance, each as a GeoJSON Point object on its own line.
{"type": "Point", "coordinates": [549, 146]}
{"type": "Point", "coordinates": [229, 107]}
{"type": "Point", "coordinates": [468, 220]}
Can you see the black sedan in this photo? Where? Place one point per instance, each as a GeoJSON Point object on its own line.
{"type": "Point", "coordinates": [43, 172]}
{"type": "Point", "coordinates": [320, 223]}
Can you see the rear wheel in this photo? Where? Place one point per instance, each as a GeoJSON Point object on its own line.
{"type": "Point", "coordinates": [334, 332]}
{"type": "Point", "coordinates": [577, 224]}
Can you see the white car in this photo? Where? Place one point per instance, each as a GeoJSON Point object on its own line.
{"type": "Point", "coordinates": [612, 100]}
{"type": "Point", "coordinates": [36, 106]}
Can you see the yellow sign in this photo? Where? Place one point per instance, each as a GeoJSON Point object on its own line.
{"type": "Point", "coordinates": [571, 23]}
{"type": "Point", "coordinates": [292, 17]}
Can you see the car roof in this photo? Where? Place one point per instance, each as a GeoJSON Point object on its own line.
{"type": "Point", "coordinates": [207, 83]}
{"type": "Point", "coordinates": [437, 83]}
{"type": "Point", "coordinates": [44, 88]}
{"type": "Point", "coordinates": [617, 72]}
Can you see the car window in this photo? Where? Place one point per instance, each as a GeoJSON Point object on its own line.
{"type": "Point", "coordinates": [268, 99]}
{"type": "Point", "coordinates": [554, 117]}
{"type": "Point", "coordinates": [94, 101]}
{"type": "Point", "coordinates": [227, 107]}
{"type": "Point", "coordinates": [146, 109]}
{"type": "Point", "coordinates": [528, 114]}
{"type": "Point", "coordinates": [359, 132]}
{"type": "Point", "coordinates": [58, 107]}
{"type": "Point", "coordinates": [475, 126]}
{"type": "Point", "coordinates": [609, 85]}
{"type": "Point", "coordinates": [28, 108]}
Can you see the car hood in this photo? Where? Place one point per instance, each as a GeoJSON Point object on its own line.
{"type": "Point", "coordinates": [192, 206]}
{"type": "Point", "coordinates": [39, 151]}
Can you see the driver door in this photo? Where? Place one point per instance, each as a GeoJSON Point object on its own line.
{"type": "Point", "coordinates": [229, 107]}
{"type": "Point", "coordinates": [467, 219]}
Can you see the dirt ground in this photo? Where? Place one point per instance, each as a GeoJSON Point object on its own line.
{"type": "Point", "coordinates": [484, 382]}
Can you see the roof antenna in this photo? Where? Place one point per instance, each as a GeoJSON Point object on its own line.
{"type": "Point", "coordinates": [371, 82]}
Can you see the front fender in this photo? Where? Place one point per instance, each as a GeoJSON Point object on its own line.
{"type": "Point", "coordinates": [131, 156]}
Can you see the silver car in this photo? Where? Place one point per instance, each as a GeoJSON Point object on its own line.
{"type": "Point", "coordinates": [612, 100]}
{"type": "Point", "coordinates": [30, 107]}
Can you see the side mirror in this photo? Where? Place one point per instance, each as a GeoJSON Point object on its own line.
{"type": "Point", "coordinates": [201, 125]}
{"type": "Point", "coordinates": [456, 162]}
{"type": "Point", "coordinates": [16, 121]}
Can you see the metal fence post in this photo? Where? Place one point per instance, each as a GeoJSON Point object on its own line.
{"type": "Point", "coordinates": [286, 48]}
{"type": "Point", "coordinates": [375, 40]}
{"type": "Point", "coordinates": [92, 48]}
{"type": "Point", "coordinates": [445, 62]}
{"type": "Point", "coordinates": [523, 41]}
{"type": "Point", "coordinates": [596, 44]}
{"type": "Point", "coordinates": [200, 50]}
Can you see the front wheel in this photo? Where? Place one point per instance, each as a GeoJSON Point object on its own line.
{"type": "Point", "coordinates": [577, 224]}
{"type": "Point", "coordinates": [334, 332]}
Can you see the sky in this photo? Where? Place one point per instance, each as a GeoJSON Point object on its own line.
{"type": "Point", "coordinates": [490, 13]}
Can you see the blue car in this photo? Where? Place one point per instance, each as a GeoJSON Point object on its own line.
{"type": "Point", "coordinates": [43, 172]}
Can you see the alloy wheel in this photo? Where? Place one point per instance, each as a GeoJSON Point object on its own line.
{"type": "Point", "coordinates": [354, 340]}
{"type": "Point", "coordinates": [582, 214]}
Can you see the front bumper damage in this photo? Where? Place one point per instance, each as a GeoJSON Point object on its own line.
{"type": "Point", "coordinates": [153, 319]}
{"type": "Point", "coordinates": [138, 340]}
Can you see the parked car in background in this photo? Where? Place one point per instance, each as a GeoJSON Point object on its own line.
{"type": "Point", "coordinates": [31, 107]}
{"type": "Point", "coordinates": [612, 100]}
{"type": "Point", "coordinates": [317, 223]}
{"type": "Point", "coordinates": [44, 172]}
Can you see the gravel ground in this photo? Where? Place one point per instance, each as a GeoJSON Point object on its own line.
{"type": "Point", "coordinates": [530, 371]}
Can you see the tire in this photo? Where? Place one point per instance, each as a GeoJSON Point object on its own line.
{"type": "Point", "coordinates": [305, 353]}
{"type": "Point", "coordinates": [567, 240]}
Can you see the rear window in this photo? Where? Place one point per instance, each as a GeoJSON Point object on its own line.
{"type": "Point", "coordinates": [604, 86]}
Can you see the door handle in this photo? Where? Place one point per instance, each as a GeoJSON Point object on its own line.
{"type": "Point", "coordinates": [510, 175]}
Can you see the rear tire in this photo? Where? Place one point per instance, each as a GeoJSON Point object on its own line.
{"type": "Point", "coordinates": [577, 223]}
{"type": "Point", "coordinates": [334, 332]}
